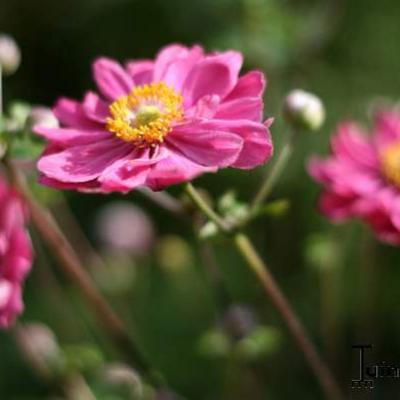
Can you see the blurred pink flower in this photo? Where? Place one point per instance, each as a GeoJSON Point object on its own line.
{"type": "Point", "coordinates": [123, 227]}
{"type": "Point", "coordinates": [15, 254]}
{"type": "Point", "coordinates": [158, 123]}
{"type": "Point", "coordinates": [362, 177]}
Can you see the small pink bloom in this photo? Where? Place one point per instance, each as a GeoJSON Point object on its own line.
{"type": "Point", "coordinates": [158, 123]}
{"type": "Point", "coordinates": [15, 254]}
{"type": "Point", "coordinates": [362, 176]}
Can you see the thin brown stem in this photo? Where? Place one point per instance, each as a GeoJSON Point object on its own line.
{"type": "Point", "coordinates": [65, 254]}
{"type": "Point", "coordinates": [320, 369]}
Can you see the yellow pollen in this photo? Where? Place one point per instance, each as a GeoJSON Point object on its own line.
{"type": "Point", "coordinates": [390, 164]}
{"type": "Point", "coordinates": [146, 115]}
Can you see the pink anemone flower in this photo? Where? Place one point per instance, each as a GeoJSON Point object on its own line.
{"type": "Point", "coordinates": [158, 123]}
{"type": "Point", "coordinates": [15, 254]}
{"type": "Point", "coordinates": [362, 176]}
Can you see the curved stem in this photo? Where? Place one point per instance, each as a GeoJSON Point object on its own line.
{"type": "Point", "coordinates": [164, 200]}
{"type": "Point", "coordinates": [55, 239]}
{"type": "Point", "coordinates": [264, 276]}
{"type": "Point", "coordinates": [206, 209]}
{"type": "Point", "coordinates": [274, 175]}
{"type": "Point", "coordinates": [320, 369]}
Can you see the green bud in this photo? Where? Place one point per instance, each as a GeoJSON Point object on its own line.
{"type": "Point", "coordinates": [275, 208]}
{"type": "Point", "coordinates": [321, 252]}
{"type": "Point", "coordinates": [262, 342]}
{"type": "Point", "coordinates": [214, 344]}
{"type": "Point", "coordinates": [208, 230]}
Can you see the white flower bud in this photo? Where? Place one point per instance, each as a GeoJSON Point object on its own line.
{"type": "Point", "coordinates": [10, 55]}
{"type": "Point", "coordinates": [40, 347]}
{"type": "Point", "coordinates": [123, 227]}
{"type": "Point", "coordinates": [42, 116]}
{"type": "Point", "coordinates": [304, 110]}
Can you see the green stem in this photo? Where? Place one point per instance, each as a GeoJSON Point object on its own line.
{"type": "Point", "coordinates": [274, 175]}
{"type": "Point", "coordinates": [74, 269]}
{"type": "Point", "coordinates": [296, 328]}
{"type": "Point", "coordinates": [264, 276]}
{"type": "Point", "coordinates": [206, 209]}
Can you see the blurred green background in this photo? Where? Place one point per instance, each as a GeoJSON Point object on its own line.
{"type": "Point", "coordinates": [343, 284]}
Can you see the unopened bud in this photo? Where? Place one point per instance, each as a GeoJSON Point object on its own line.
{"type": "Point", "coordinates": [214, 343]}
{"type": "Point", "coordinates": [262, 342]}
{"type": "Point", "coordinates": [174, 254]}
{"type": "Point", "coordinates": [304, 110]}
{"type": "Point", "coordinates": [123, 227]}
{"type": "Point", "coordinates": [39, 345]}
{"type": "Point", "coordinates": [10, 55]}
{"type": "Point", "coordinates": [42, 116]}
{"type": "Point", "coordinates": [122, 375]}
{"type": "Point", "coordinates": [239, 321]}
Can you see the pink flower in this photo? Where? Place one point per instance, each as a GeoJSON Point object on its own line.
{"type": "Point", "coordinates": [15, 254]}
{"type": "Point", "coordinates": [158, 123]}
{"type": "Point", "coordinates": [362, 177]}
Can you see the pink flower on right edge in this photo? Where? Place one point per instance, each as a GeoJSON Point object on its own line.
{"type": "Point", "coordinates": [361, 178]}
{"type": "Point", "coordinates": [15, 254]}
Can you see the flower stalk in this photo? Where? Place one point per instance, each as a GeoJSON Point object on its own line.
{"type": "Point", "coordinates": [276, 171]}
{"type": "Point", "coordinates": [65, 254]}
{"type": "Point", "coordinates": [279, 300]}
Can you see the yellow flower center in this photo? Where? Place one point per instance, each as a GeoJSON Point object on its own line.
{"type": "Point", "coordinates": [146, 115]}
{"type": "Point", "coordinates": [390, 163]}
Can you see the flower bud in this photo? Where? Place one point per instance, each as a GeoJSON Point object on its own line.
{"type": "Point", "coordinates": [263, 341]}
{"type": "Point", "coordinates": [123, 227]}
{"type": "Point", "coordinates": [42, 116]}
{"type": "Point", "coordinates": [321, 252]}
{"type": "Point", "coordinates": [174, 254]}
{"type": "Point", "coordinates": [10, 56]}
{"type": "Point", "coordinates": [214, 343]}
{"type": "Point", "coordinates": [39, 345]}
{"type": "Point", "coordinates": [121, 375]}
{"type": "Point", "coordinates": [304, 110]}
{"type": "Point", "coordinates": [239, 321]}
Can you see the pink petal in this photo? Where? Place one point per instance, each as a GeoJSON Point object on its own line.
{"type": "Point", "coordinates": [165, 57]}
{"type": "Point", "coordinates": [11, 304]}
{"type": "Point", "coordinates": [352, 145]}
{"type": "Point", "coordinates": [387, 128]}
{"type": "Point", "coordinates": [176, 72]}
{"type": "Point", "coordinates": [70, 114]}
{"type": "Point", "coordinates": [217, 74]}
{"type": "Point", "coordinates": [251, 84]}
{"type": "Point", "coordinates": [131, 171]}
{"type": "Point", "coordinates": [206, 107]}
{"type": "Point", "coordinates": [250, 108]}
{"type": "Point", "coordinates": [141, 71]}
{"type": "Point", "coordinates": [85, 187]}
{"type": "Point", "coordinates": [95, 108]}
{"type": "Point", "coordinates": [72, 137]}
{"type": "Point", "coordinates": [256, 140]}
{"type": "Point", "coordinates": [344, 178]}
{"type": "Point", "coordinates": [257, 147]}
{"type": "Point", "coordinates": [174, 169]}
{"type": "Point", "coordinates": [82, 163]}
{"type": "Point", "coordinates": [336, 207]}
{"type": "Point", "coordinates": [206, 144]}
{"type": "Point", "coordinates": [111, 78]}
{"type": "Point", "coordinates": [18, 260]}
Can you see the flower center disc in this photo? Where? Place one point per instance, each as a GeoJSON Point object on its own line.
{"type": "Point", "coordinates": [390, 163]}
{"type": "Point", "coordinates": [146, 115]}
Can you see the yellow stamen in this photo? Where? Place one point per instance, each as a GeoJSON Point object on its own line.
{"type": "Point", "coordinates": [390, 164]}
{"type": "Point", "coordinates": [145, 116]}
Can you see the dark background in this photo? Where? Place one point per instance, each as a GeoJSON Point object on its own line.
{"type": "Point", "coordinates": [344, 285]}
